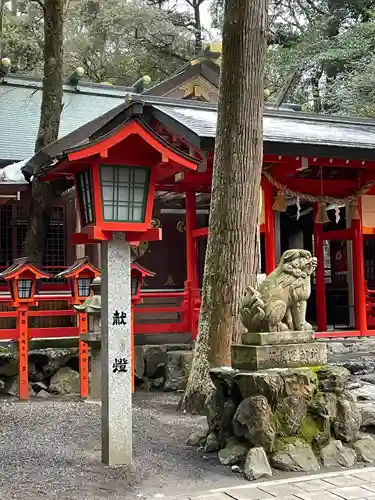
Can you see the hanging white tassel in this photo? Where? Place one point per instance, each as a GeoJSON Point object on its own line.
{"type": "Point", "coordinates": [298, 208]}
{"type": "Point", "coordinates": [337, 214]}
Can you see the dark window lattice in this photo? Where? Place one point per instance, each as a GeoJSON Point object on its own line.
{"type": "Point", "coordinates": [13, 228]}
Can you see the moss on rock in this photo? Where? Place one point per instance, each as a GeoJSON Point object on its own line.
{"type": "Point", "coordinates": [300, 382]}
{"type": "Point", "coordinates": [294, 454]}
{"type": "Point", "coordinates": [282, 443]}
{"type": "Point", "coordinates": [310, 430]}
{"type": "Point", "coordinates": [289, 415]}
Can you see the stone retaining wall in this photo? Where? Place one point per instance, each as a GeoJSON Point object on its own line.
{"type": "Point", "coordinates": [288, 419]}
{"type": "Point", "coordinates": [162, 367]}
{"type": "Point", "coordinates": [56, 371]}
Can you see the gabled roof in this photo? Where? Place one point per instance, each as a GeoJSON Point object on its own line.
{"type": "Point", "coordinates": [286, 132]}
{"type": "Point", "coordinates": [93, 134]}
{"type": "Point", "coordinates": [20, 265]}
{"type": "Point", "coordinates": [79, 265]}
{"type": "Point", "coordinates": [209, 70]}
{"type": "Point", "coordinates": [142, 270]}
{"type": "Point", "coordinates": [206, 65]}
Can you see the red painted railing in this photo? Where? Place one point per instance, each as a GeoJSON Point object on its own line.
{"type": "Point", "coordinates": [187, 321]}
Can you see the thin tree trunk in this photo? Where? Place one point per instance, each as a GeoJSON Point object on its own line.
{"type": "Point", "coordinates": [231, 255]}
{"type": "Point", "coordinates": [198, 28]}
{"type": "Point", "coordinates": [316, 90]}
{"type": "Point", "coordinates": [43, 194]}
{"type": "Point", "coordinates": [2, 8]}
{"type": "Point", "coordinates": [336, 13]}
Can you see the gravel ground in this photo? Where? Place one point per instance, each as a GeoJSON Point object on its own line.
{"type": "Point", "coordinates": [51, 449]}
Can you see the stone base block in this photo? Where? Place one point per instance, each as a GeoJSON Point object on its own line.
{"type": "Point", "coordinates": [277, 338]}
{"type": "Point", "coordinates": [259, 357]}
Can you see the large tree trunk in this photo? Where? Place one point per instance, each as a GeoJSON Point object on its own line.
{"type": "Point", "coordinates": [231, 255]}
{"type": "Point", "coordinates": [43, 193]}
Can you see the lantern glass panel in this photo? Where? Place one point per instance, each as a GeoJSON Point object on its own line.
{"type": "Point", "coordinates": [124, 192]}
{"type": "Point", "coordinates": [24, 288]}
{"type": "Point", "coordinates": [84, 287]}
{"type": "Point", "coordinates": [84, 185]}
{"type": "Point", "coordinates": [134, 285]}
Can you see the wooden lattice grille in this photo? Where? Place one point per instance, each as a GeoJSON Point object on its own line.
{"type": "Point", "coordinates": [13, 227]}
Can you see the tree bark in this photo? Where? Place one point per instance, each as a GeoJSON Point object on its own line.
{"type": "Point", "coordinates": [2, 8]}
{"type": "Point", "coordinates": [43, 193]}
{"type": "Point", "coordinates": [198, 28]}
{"type": "Point", "coordinates": [231, 255]}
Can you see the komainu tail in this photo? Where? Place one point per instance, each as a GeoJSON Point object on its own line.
{"type": "Point", "coordinates": [252, 310]}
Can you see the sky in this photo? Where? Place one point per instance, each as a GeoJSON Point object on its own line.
{"type": "Point", "coordinates": [206, 19]}
{"type": "Point", "coordinates": [205, 10]}
{"type": "Point", "coordinates": [215, 34]}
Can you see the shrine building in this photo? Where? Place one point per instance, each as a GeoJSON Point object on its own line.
{"type": "Point", "coordinates": [317, 192]}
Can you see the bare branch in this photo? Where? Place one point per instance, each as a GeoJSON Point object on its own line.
{"type": "Point", "coordinates": [40, 3]}
{"type": "Point", "coordinates": [313, 6]}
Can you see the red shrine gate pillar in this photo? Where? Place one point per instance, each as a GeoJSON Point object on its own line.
{"type": "Point", "coordinates": [320, 291]}
{"type": "Point", "coordinates": [359, 280]}
{"type": "Point", "coordinates": [191, 251]}
{"type": "Point", "coordinates": [269, 227]}
{"type": "Point", "coordinates": [192, 284]}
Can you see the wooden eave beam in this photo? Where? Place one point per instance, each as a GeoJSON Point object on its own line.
{"type": "Point", "coordinates": [182, 187]}
{"type": "Point", "coordinates": [273, 160]}
{"type": "Point", "coordinates": [194, 178]}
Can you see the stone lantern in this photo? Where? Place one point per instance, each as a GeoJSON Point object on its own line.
{"type": "Point", "coordinates": [116, 169]}
{"type": "Point", "coordinates": [93, 307]}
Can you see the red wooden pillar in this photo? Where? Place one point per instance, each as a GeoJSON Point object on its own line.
{"type": "Point", "coordinates": [83, 357]}
{"type": "Point", "coordinates": [321, 311]}
{"type": "Point", "coordinates": [359, 276]}
{"type": "Point", "coordinates": [269, 222]}
{"type": "Point", "coordinates": [191, 253]}
{"type": "Point", "coordinates": [23, 353]}
{"type": "Point", "coordinates": [192, 285]}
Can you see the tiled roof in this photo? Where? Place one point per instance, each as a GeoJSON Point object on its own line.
{"type": "Point", "coordinates": [20, 112]}
{"type": "Point", "coordinates": [20, 100]}
{"type": "Point", "coordinates": [285, 131]}
{"type": "Point", "coordinates": [282, 126]}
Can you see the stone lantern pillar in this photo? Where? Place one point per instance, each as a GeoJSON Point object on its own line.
{"type": "Point", "coordinates": [92, 306]}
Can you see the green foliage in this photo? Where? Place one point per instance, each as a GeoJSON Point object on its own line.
{"type": "Point", "coordinates": [116, 41]}
{"type": "Point", "coordinates": [21, 42]}
{"type": "Point", "coordinates": [125, 40]}
{"type": "Point", "coordinates": [330, 46]}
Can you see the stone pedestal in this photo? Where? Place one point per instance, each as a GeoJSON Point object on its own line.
{"type": "Point", "coordinates": [116, 352]}
{"type": "Point", "coordinates": [261, 351]}
{"type": "Point", "coordinates": [94, 342]}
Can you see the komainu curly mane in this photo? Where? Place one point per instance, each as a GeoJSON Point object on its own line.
{"type": "Point", "coordinates": [279, 304]}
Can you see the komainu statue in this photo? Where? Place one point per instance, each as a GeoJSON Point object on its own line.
{"type": "Point", "coordinates": [279, 303]}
